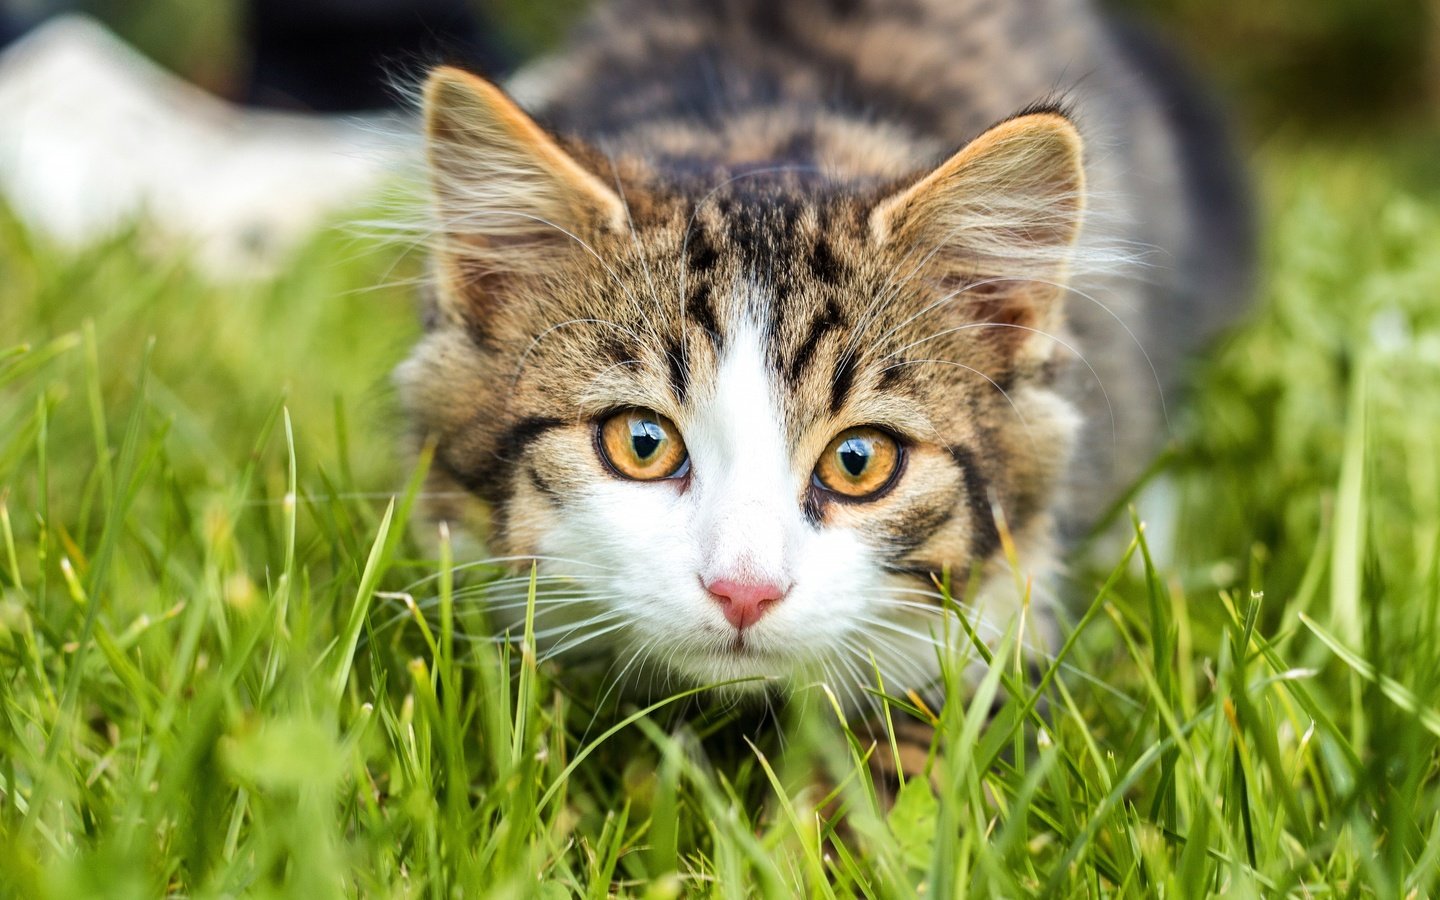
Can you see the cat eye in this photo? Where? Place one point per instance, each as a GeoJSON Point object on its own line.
{"type": "Point", "coordinates": [642, 445]}
{"type": "Point", "coordinates": [860, 463]}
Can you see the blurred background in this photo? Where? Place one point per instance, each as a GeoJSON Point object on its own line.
{"type": "Point", "coordinates": [1324, 65]}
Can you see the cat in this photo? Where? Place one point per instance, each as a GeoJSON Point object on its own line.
{"type": "Point", "coordinates": [788, 310]}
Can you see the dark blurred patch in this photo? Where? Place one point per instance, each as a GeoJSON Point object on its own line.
{"type": "Point", "coordinates": [1219, 194]}
{"type": "Point", "coordinates": [1316, 63]}
{"type": "Point", "coordinates": [319, 55]}
{"type": "Point", "coordinates": [9, 27]}
{"type": "Point", "coordinates": [338, 55]}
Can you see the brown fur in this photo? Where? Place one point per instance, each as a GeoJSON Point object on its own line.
{"type": "Point", "coordinates": [703, 149]}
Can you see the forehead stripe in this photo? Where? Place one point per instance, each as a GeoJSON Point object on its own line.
{"type": "Point", "coordinates": [522, 433]}
{"type": "Point", "coordinates": [828, 320]}
{"type": "Point", "coordinates": [824, 264]}
{"type": "Point", "coordinates": [678, 359]}
{"type": "Point", "coordinates": [698, 308]}
{"type": "Point", "coordinates": [841, 381]}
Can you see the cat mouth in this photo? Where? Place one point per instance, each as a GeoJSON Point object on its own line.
{"type": "Point", "coordinates": [743, 647]}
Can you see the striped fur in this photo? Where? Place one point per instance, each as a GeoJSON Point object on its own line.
{"type": "Point", "coordinates": [874, 212]}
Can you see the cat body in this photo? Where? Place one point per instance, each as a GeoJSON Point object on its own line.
{"type": "Point", "coordinates": [790, 309]}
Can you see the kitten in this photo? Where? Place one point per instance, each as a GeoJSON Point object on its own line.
{"type": "Point", "coordinates": [789, 309]}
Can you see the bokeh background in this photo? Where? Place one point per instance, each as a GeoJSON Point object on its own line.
{"type": "Point", "coordinates": [1330, 66]}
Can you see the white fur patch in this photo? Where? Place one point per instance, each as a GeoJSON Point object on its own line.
{"type": "Point", "coordinates": [643, 551]}
{"type": "Point", "coordinates": [648, 548]}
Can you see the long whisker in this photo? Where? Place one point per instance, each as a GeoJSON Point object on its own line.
{"type": "Point", "coordinates": [566, 630]}
{"type": "Point", "coordinates": [614, 276]}
{"type": "Point", "coordinates": [567, 646]}
{"type": "Point", "coordinates": [355, 495]}
{"type": "Point", "coordinates": [885, 654]}
{"type": "Point", "coordinates": [890, 289]}
{"type": "Point", "coordinates": [497, 561]}
{"type": "Point", "coordinates": [636, 653]}
{"type": "Point", "coordinates": [993, 383]}
{"type": "Point", "coordinates": [1139, 345]}
{"type": "Point", "coordinates": [1114, 432]}
{"type": "Point", "coordinates": [941, 301]}
{"type": "Point", "coordinates": [553, 603]}
{"type": "Point", "coordinates": [855, 681]}
{"type": "Point", "coordinates": [544, 606]}
{"type": "Point", "coordinates": [535, 342]}
{"type": "Point", "coordinates": [864, 674]}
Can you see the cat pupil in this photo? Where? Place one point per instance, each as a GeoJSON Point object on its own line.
{"type": "Point", "coordinates": [854, 456]}
{"type": "Point", "coordinates": [645, 438]}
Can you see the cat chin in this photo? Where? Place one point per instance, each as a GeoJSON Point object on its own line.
{"type": "Point", "coordinates": [743, 670]}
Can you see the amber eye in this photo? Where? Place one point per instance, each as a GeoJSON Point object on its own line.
{"type": "Point", "coordinates": [642, 445]}
{"type": "Point", "coordinates": [859, 463]}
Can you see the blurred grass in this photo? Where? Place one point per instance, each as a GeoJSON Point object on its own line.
{"type": "Point", "coordinates": [199, 520]}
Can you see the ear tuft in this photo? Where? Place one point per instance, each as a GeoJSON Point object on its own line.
{"type": "Point", "coordinates": [996, 224]}
{"type": "Point", "coordinates": [507, 193]}
{"type": "Point", "coordinates": [1015, 194]}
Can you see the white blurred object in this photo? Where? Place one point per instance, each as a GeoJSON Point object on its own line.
{"type": "Point", "coordinates": [92, 135]}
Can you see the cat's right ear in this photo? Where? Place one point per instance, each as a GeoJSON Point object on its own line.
{"type": "Point", "coordinates": [995, 226]}
{"type": "Point", "coordinates": [510, 199]}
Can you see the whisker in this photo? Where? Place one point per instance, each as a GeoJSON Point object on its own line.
{"type": "Point", "coordinates": [408, 612]}
{"type": "Point", "coordinates": [489, 599]}
{"type": "Point", "coordinates": [1114, 431]}
{"type": "Point", "coordinates": [498, 561]}
{"type": "Point", "coordinates": [1134, 339]}
{"type": "Point", "coordinates": [909, 669]}
{"type": "Point", "coordinates": [356, 495]}
{"type": "Point", "coordinates": [582, 320]}
{"type": "Point", "coordinates": [454, 221]}
{"type": "Point", "coordinates": [566, 647]}
{"type": "Point", "coordinates": [849, 686]}
{"type": "Point", "coordinates": [567, 629]}
{"type": "Point", "coordinates": [636, 653]}
{"type": "Point", "coordinates": [993, 383]}
{"type": "Point", "coordinates": [553, 603]}
{"type": "Point", "coordinates": [882, 297]}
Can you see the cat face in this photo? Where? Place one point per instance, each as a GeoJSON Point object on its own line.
{"type": "Point", "coordinates": [744, 419]}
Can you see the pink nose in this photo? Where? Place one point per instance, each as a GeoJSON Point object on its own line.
{"type": "Point", "coordinates": [744, 602]}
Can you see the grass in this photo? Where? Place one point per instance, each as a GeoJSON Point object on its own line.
{"type": "Point", "coordinates": [210, 683]}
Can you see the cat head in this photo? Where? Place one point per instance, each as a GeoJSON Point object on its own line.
{"type": "Point", "coordinates": [744, 418]}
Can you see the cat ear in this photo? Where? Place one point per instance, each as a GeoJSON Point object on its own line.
{"type": "Point", "coordinates": [996, 224]}
{"type": "Point", "coordinates": [510, 198]}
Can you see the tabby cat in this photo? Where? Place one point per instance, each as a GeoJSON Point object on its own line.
{"type": "Point", "coordinates": [789, 309]}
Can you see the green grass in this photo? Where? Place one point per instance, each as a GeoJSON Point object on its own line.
{"type": "Point", "coordinates": [210, 684]}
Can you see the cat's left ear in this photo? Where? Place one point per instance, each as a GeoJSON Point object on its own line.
{"type": "Point", "coordinates": [510, 198]}
{"type": "Point", "coordinates": [996, 224]}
